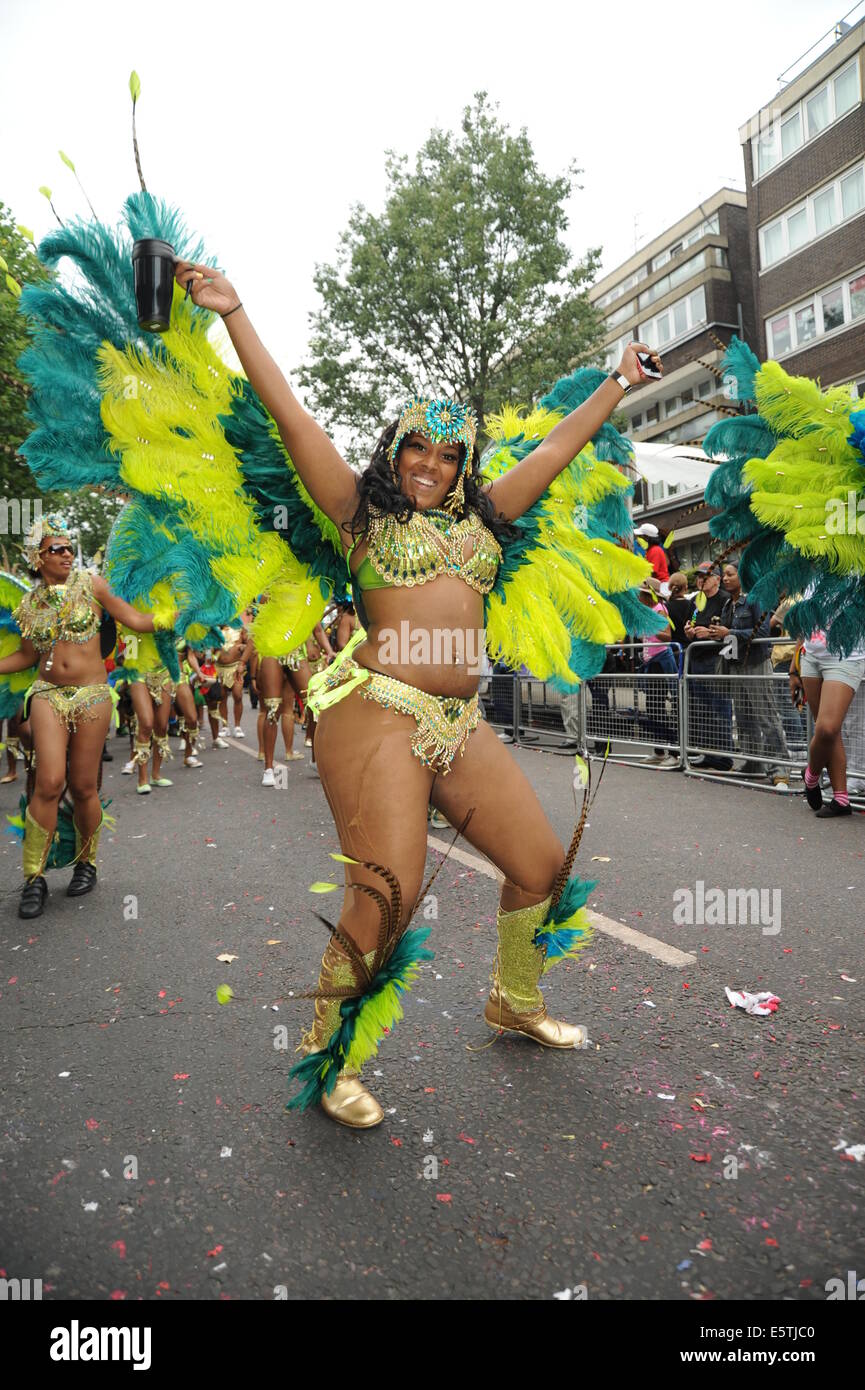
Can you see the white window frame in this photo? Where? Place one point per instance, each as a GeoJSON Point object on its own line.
{"type": "Point", "coordinates": [618, 290]}
{"type": "Point", "coordinates": [648, 330]}
{"type": "Point", "coordinates": [621, 315]}
{"type": "Point", "coordinates": [771, 135]}
{"type": "Point", "coordinates": [808, 204]}
{"type": "Point", "coordinates": [710, 227]}
{"type": "Point", "coordinates": [815, 302]}
{"type": "Point", "coordinates": [654, 292]}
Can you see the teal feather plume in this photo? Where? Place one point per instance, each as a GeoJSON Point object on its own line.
{"type": "Point", "coordinates": [565, 931]}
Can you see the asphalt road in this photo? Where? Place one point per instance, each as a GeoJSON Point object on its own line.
{"type": "Point", "coordinates": [692, 1152]}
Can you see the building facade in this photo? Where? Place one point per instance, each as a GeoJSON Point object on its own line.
{"type": "Point", "coordinates": [804, 155]}
{"type": "Point", "coordinates": [685, 289]}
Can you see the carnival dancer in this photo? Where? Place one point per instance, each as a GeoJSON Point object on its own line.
{"type": "Point", "coordinates": [14, 753]}
{"type": "Point", "coordinates": [230, 662]}
{"type": "Point", "coordinates": [185, 706]}
{"type": "Point", "coordinates": [829, 683]}
{"type": "Point", "coordinates": [12, 691]}
{"type": "Point", "coordinates": [421, 534]}
{"type": "Point", "coordinates": [280, 681]}
{"type": "Point", "coordinates": [69, 704]}
{"type": "Point", "coordinates": [151, 696]}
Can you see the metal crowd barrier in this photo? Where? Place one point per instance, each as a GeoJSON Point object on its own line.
{"type": "Point", "coordinates": [710, 718]}
{"type": "Point", "coordinates": [740, 712]}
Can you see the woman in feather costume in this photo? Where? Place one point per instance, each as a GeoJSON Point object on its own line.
{"type": "Point", "coordinates": [69, 703]}
{"type": "Point", "coordinates": [790, 490]}
{"type": "Point", "coordinates": [421, 535]}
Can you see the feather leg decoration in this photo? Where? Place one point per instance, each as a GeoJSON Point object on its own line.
{"type": "Point", "coordinates": [363, 1021]}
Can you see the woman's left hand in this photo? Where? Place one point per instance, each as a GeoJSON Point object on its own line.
{"type": "Point", "coordinates": [630, 367]}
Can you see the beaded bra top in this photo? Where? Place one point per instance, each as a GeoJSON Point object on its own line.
{"type": "Point", "coordinates": [405, 553]}
{"type": "Point", "coordinates": [52, 613]}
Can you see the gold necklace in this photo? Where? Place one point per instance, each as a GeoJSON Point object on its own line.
{"type": "Point", "coordinates": [430, 543]}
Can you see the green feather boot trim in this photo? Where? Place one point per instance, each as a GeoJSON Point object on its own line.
{"type": "Point", "coordinates": [362, 1022]}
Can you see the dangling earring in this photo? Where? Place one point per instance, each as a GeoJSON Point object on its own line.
{"type": "Point", "coordinates": [455, 503]}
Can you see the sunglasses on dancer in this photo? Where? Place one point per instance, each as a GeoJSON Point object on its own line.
{"type": "Point", "coordinates": [58, 550]}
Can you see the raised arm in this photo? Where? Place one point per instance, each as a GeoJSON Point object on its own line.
{"type": "Point", "coordinates": [322, 469]}
{"type": "Point", "coordinates": [19, 661]}
{"type": "Point", "coordinates": [519, 488]}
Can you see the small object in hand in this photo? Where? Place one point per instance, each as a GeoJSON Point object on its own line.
{"type": "Point", "coordinates": [153, 262]}
{"type": "Point", "coordinates": [648, 366]}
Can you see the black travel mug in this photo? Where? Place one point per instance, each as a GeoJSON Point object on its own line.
{"type": "Point", "coordinates": [153, 264]}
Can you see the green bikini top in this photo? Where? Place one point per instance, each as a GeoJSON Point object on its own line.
{"type": "Point", "coordinates": [430, 543]}
{"type": "Point", "coordinates": [368, 578]}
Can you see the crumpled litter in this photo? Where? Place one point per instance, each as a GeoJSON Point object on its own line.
{"type": "Point", "coordinates": [762, 1004]}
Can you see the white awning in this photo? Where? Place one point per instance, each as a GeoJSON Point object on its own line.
{"type": "Point", "coordinates": [681, 464]}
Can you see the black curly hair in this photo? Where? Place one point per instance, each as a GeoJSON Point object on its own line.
{"type": "Point", "coordinates": [379, 490]}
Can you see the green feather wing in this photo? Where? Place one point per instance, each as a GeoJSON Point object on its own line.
{"type": "Point", "coordinates": [567, 584]}
{"type": "Point", "coordinates": [12, 687]}
{"type": "Point", "coordinates": [789, 479]}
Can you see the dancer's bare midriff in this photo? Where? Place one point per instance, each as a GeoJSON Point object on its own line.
{"type": "Point", "coordinates": [430, 636]}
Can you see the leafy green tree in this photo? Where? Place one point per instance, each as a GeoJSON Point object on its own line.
{"type": "Point", "coordinates": [89, 513]}
{"type": "Point", "coordinates": [462, 285]}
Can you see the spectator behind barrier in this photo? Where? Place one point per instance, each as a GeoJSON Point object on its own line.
{"type": "Point", "coordinates": [679, 608]}
{"type": "Point", "coordinates": [655, 552]}
{"type": "Point", "coordinates": [757, 719]}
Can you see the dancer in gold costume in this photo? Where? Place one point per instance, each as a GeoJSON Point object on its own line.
{"type": "Point", "coordinates": [69, 705]}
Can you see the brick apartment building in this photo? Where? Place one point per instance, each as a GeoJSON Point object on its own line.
{"type": "Point", "coordinates": [681, 291]}
{"type": "Point", "coordinates": [804, 155]}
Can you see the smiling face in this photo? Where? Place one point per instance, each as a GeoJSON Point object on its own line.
{"type": "Point", "coordinates": [427, 470]}
{"type": "Point", "coordinates": [55, 560]}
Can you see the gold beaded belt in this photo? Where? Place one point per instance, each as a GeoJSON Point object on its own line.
{"type": "Point", "coordinates": [70, 702]}
{"type": "Point", "coordinates": [226, 674]}
{"type": "Point", "coordinates": [156, 681]}
{"type": "Point", "coordinates": [444, 722]}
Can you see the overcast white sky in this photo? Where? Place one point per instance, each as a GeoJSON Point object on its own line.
{"type": "Point", "coordinates": [264, 122]}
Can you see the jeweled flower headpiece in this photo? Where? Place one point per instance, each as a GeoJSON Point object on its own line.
{"type": "Point", "coordinates": [438, 420]}
{"type": "Point", "coordinates": [51, 524]}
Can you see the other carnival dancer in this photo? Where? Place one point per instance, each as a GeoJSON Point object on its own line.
{"type": "Point", "coordinates": [281, 680]}
{"type": "Point", "coordinates": [69, 704]}
{"type": "Point", "coordinates": [230, 662]}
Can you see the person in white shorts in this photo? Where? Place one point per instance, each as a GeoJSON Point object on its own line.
{"type": "Point", "coordinates": [829, 683]}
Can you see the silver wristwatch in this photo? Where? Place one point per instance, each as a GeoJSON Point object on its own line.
{"type": "Point", "coordinates": [621, 381]}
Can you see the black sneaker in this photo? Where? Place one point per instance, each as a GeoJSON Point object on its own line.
{"type": "Point", "coordinates": [83, 881]}
{"type": "Point", "coordinates": [33, 896]}
{"type": "Point", "coordinates": [834, 808]}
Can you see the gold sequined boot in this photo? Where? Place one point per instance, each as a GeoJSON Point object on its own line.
{"type": "Point", "coordinates": [349, 1103]}
{"type": "Point", "coordinates": [516, 1003]}
{"type": "Point", "coordinates": [37, 845]}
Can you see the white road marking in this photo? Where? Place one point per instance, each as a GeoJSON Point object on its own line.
{"type": "Point", "coordinates": [669, 955]}
{"type": "Point", "coordinates": [252, 752]}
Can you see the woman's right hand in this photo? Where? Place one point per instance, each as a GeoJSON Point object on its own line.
{"type": "Point", "coordinates": [210, 288]}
